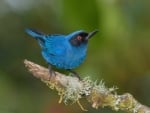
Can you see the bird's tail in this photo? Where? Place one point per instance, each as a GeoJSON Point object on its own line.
{"type": "Point", "coordinates": [34, 33]}
{"type": "Point", "coordinates": [37, 35]}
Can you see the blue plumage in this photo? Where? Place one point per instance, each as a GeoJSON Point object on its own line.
{"type": "Point", "coordinates": [63, 51]}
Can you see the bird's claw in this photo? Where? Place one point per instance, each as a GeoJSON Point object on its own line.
{"type": "Point", "coordinates": [51, 72]}
{"type": "Point", "coordinates": [75, 74]}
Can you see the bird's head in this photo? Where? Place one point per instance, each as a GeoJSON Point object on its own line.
{"type": "Point", "coordinates": [78, 38]}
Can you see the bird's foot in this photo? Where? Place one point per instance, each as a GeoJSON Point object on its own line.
{"type": "Point", "coordinates": [51, 71]}
{"type": "Point", "coordinates": [75, 74]}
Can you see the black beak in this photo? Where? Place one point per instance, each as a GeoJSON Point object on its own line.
{"type": "Point", "coordinates": [91, 34]}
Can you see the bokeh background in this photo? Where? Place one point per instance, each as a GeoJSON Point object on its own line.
{"type": "Point", "coordinates": [119, 54]}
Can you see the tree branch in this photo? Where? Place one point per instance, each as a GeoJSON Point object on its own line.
{"type": "Point", "coordinates": [71, 89]}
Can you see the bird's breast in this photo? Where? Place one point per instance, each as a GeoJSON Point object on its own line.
{"type": "Point", "coordinates": [74, 57]}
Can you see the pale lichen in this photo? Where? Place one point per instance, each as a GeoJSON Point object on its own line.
{"type": "Point", "coordinates": [101, 96]}
{"type": "Point", "coordinates": [74, 92]}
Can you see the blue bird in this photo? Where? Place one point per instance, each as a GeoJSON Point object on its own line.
{"type": "Point", "coordinates": [63, 51]}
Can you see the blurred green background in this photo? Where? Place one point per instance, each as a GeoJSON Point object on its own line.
{"type": "Point", "coordinates": [119, 54]}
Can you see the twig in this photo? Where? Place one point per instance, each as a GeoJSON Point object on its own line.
{"type": "Point", "coordinates": [71, 89]}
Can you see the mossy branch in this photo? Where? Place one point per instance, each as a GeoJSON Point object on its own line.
{"type": "Point", "coordinates": [71, 89]}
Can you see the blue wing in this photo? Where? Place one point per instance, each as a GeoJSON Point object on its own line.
{"type": "Point", "coordinates": [55, 44]}
{"type": "Point", "coordinates": [55, 49]}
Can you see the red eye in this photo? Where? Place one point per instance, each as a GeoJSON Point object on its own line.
{"type": "Point", "coordinates": [79, 37]}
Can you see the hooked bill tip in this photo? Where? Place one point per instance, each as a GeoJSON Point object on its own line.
{"type": "Point", "coordinates": [91, 34]}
